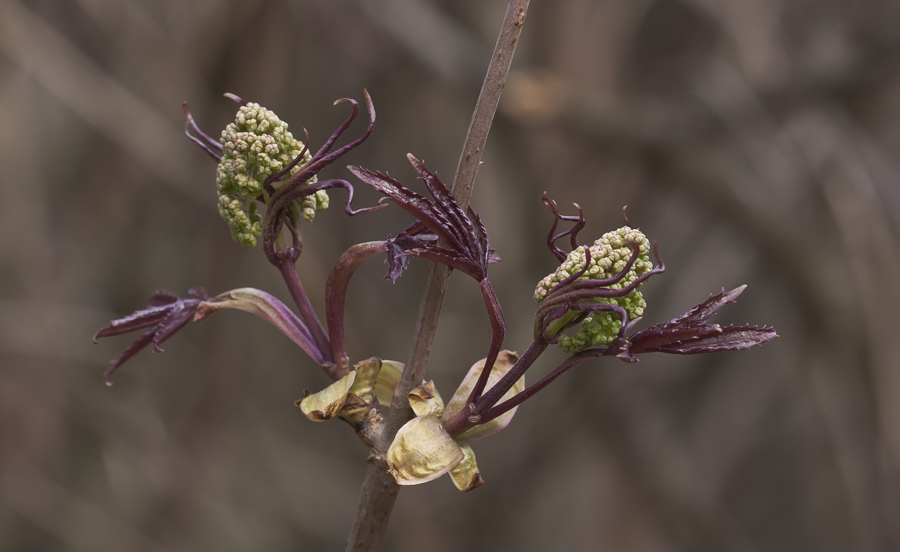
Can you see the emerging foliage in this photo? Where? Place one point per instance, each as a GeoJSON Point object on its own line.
{"type": "Point", "coordinates": [595, 288]}
{"type": "Point", "coordinates": [165, 315]}
{"type": "Point", "coordinates": [689, 334]}
{"type": "Point", "coordinates": [443, 231]}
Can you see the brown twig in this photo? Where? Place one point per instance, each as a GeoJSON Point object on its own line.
{"type": "Point", "coordinates": [379, 489]}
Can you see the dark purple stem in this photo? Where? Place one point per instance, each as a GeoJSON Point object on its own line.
{"type": "Point", "coordinates": [586, 308]}
{"type": "Point", "coordinates": [515, 401]}
{"type": "Point", "coordinates": [498, 332]}
{"type": "Point", "coordinates": [460, 422]}
{"type": "Point", "coordinates": [308, 316]}
{"type": "Point", "coordinates": [336, 293]}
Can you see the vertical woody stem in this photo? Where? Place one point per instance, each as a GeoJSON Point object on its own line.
{"type": "Point", "coordinates": [379, 489]}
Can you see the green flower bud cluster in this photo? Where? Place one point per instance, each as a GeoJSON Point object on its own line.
{"type": "Point", "coordinates": [609, 255]}
{"type": "Point", "coordinates": [255, 146]}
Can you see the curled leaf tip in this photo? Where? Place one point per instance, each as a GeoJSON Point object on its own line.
{"type": "Point", "coordinates": [235, 98]}
{"type": "Point", "coordinates": [552, 236]}
{"type": "Point", "coordinates": [624, 216]}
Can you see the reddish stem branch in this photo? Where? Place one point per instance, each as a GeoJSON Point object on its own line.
{"type": "Point", "coordinates": [336, 293]}
{"type": "Point", "coordinates": [498, 332]}
{"type": "Point", "coordinates": [460, 422]}
{"type": "Point", "coordinates": [289, 272]}
{"type": "Point", "coordinates": [515, 401]}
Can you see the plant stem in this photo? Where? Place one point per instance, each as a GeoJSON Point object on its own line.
{"type": "Point", "coordinates": [498, 332]}
{"type": "Point", "coordinates": [460, 422]}
{"type": "Point", "coordinates": [289, 272]}
{"type": "Point", "coordinates": [570, 363]}
{"type": "Point", "coordinates": [336, 293]}
{"type": "Point", "coordinates": [379, 489]}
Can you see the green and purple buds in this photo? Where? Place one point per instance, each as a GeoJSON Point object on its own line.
{"type": "Point", "coordinates": [256, 146]}
{"type": "Point", "coordinates": [607, 257]}
{"type": "Point", "coordinates": [259, 160]}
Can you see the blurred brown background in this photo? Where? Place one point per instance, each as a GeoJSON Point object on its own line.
{"type": "Point", "coordinates": [755, 140]}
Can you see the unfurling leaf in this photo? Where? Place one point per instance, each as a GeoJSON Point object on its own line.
{"type": "Point", "coordinates": [270, 309]}
{"type": "Point", "coordinates": [164, 316]}
{"type": "Point", "coordinates": [422, 451]}
{"type": "Point", "coordinates": [689, 333]}
{"type": "Point", "coordinates": [729, 338]}
{"type": "Point", "coordinates": [444, 232]}
{"type": "Point", "coordinates": [505, 361]}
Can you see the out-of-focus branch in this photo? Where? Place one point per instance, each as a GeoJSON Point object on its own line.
{"type": "Point", "coordinates": [428, 35]}
{"type": "Point", "coordinates": [95, 96]}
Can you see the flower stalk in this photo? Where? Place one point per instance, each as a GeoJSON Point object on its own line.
{"type": "Point", "coordinates": [289, 273]}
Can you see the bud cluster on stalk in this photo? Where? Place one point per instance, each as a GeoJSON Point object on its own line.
{"type": "Point", "coordinates": [256, 146]}
{"type": "Point", "coordinates": [595, 288]}
{"type": "Point", "coordinates": [608, 256]}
